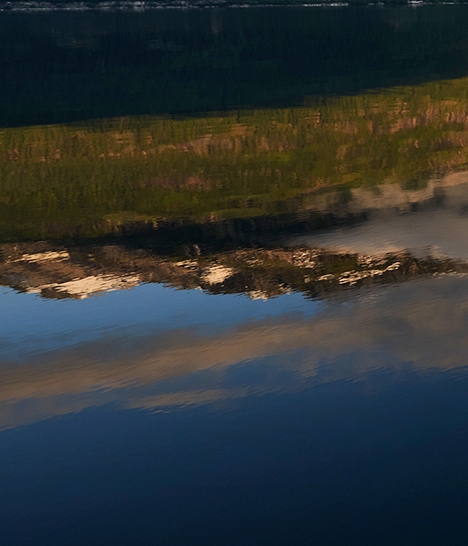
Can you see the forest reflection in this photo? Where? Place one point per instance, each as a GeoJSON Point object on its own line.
{"type": "Point", "coordinates": [121, 175]}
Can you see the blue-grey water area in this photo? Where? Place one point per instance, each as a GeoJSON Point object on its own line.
{"type": "Point", "coordinates": [234, 277]}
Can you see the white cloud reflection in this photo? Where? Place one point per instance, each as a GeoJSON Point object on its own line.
{"type": "Point", "coordinates": [421, 325]}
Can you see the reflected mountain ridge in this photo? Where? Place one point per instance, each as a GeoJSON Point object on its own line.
{"type": "Point", "coordinates": [263, 203]}
{"type": "Point", "coordinates": [258, 273]}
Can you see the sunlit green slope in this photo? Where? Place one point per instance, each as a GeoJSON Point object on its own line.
{"type": "Point", "coordinates": [69, 180]}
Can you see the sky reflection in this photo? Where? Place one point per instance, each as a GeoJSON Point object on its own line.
{"type": "Point", "coordinates": [182, 360]}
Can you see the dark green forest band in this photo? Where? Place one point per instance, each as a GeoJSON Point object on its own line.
{"type": "Point", "coordinates": [93, 179]}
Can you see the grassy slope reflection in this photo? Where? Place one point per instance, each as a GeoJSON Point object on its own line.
{"type": "Point", "coordinates": [90, 180]}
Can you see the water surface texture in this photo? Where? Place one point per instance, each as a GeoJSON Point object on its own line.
{"type": "Point", "coordinates": [234, 277]}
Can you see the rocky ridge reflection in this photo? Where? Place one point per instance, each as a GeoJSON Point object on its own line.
{"type": "Point", "coordinates": [312, 201]}
{"type": "Point", "coordinates": [262, 262]}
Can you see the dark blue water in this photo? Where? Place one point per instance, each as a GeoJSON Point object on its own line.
{"type": "Point", "coordinates": [382, 460]}
{"type": "Point", "coordinates": [287, 368]}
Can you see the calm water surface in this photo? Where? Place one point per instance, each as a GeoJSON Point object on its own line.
{"type": "Point", "coordinates": [234, 277]}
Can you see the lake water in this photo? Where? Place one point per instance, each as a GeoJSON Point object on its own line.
{"type": "Point", "coordinates": [234, 277]}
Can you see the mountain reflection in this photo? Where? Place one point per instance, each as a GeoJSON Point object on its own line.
{"type": "Point", "coordinates": [350, 201]}
{"type": "Point", "coordinates": [234, 270]}
{"type": "Point", "coordinates": [386, 235]}
{"type": "Point", "coordinates": [258, 273]}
